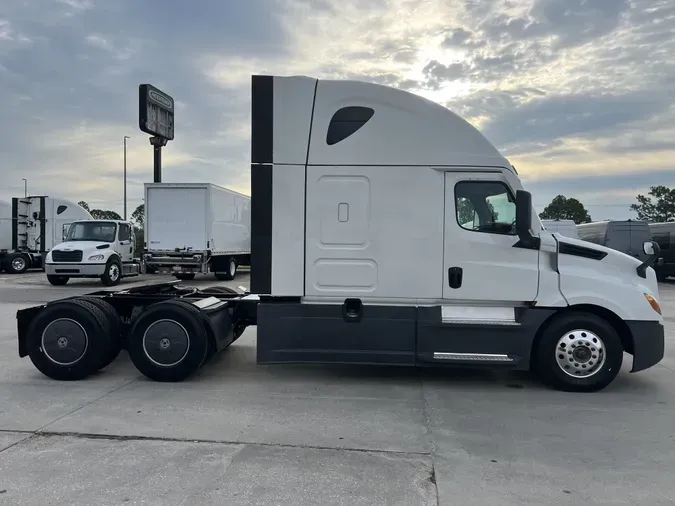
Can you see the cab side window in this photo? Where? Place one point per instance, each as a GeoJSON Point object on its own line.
{"type": "Point", "coordinates": [485, 206]}
{"type": "Point", "coordinates": [125, 233]}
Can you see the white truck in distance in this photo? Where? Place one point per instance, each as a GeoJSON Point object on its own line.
{"type": "Point", "coordinates": [94, 249]}
{"type": "Point", "coordinates": [31, 226]}
{"type": "Point", "coordinates": [193, 228]}
{"type": "Point", "coordinates": [353, 183]}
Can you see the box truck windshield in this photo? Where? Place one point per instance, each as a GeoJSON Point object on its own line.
{"type": "Point", "coordinates": [92, 231]}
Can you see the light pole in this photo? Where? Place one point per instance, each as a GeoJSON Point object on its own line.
{"type": "Point", "coordinates": [125, 176]}
{"type": "Point", "coordinates": [25, 187]}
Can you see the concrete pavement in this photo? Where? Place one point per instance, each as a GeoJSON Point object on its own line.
{"type": "Point", "coordinates": [238, 433]}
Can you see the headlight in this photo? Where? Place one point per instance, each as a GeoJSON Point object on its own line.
{"type": "Point", "coordinates": [96, 257]}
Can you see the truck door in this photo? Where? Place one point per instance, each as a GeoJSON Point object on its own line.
{"type": "Point", "coordinates": [126, 248]}
{"type": "Point", "coordinates": [481, 260]}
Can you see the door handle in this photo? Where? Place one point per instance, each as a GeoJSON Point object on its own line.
{"type": "Point", "coordinates": [455, 277]}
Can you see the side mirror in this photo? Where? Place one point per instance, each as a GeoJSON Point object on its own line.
{"type": "Point", "coordinates": [648, 248]}
{"type": "Point", "coordinates": [523, 215]}
{"type": "Point", "coordinates": [652, 249]}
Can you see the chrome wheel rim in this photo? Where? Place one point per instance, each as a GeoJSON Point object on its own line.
{"type": "Point", "coordinates": [580, 353]}
{"type": "Point", "coordinates": [18, 263]}
{"type": "Point", "coordinates": [114, 272]}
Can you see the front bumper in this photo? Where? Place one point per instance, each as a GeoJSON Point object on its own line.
{"type": "Point", "coordinates": [648, 343]}
{"type": "Point", "coordinates": [75, 270]}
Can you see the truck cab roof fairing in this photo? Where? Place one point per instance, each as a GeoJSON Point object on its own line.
{"type": "Point", "coordinates": [401, 129]}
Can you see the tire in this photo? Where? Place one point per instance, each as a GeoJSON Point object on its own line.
{"type": "Point", "coordinates": [176, 324]}
{"type": "Point", "coordinates": [68, 340]}
{"type": "Point", "coordinates": [578, 352]}
{"type": "Point", "coordinates": [218, 289]}
{"type": "Point", "coordinates": [57, 280]}
{"type": "Point", "coordinates": [16, 263]}
{"type": "Point", "coordinates": [113, 272]}
{"type": "Point", "coordinates": [185, 276]}
{"type": "Point", "coordinates": [114, 324]}
{"type": "Point", "coordinates": [231, 272]}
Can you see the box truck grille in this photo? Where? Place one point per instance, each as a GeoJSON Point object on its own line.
{"type": "Point", "coordinates": [67, 256]}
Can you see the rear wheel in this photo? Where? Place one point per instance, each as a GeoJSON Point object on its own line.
{"type": "Point", "coordinates": [169, 341]}
{"type": "Point", "coordinates": [230, 273]}
{"type": "Point", "coordinates": [578, 352]}
{"type": "Point", "coordinates": [69, 340]}
{"type": "Point", "coordinates": [114, 324]}
{"type": "Point", "coordinates": [16, 263]}
{"type": "Point", "coordinates": [57, 280]}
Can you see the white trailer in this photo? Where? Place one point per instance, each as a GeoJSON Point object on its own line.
{"type": "Point", "coordinates": [195, 228]}
{"type": "Point", "coordinates": [31, 226]}
{"type": "Point", "coordinates": [563, 227]}
{"type": "Point", "coordinates": [352, 184]}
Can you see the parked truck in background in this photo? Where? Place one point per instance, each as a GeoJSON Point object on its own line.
{"type": "Point", "coordinates": [626, 236]}
{"type": "Point", "coordinates": [563, 227]}
{"type": "Point", "coordinates": [102, 249]}
{"type": "Point", "coordinates": [31, 226]}
{"type": "Point", "coordinates": [664, 235]}
{"type": "Point", "coordinates": [193, 228]}
{"type": "Point", "coordinates": [351, 183]}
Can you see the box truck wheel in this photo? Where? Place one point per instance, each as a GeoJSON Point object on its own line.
{"type": "Point", "coordinates": [578, 352]}
{"type": "Point", "coordinates": [114, 324]}
{"type": "Point", "coordinates": [57, 280]}
{"type": "Point", "coordinates": [169, 341]}
{"type": "Point", "coordinates": [16, 263]}
{"type": "Point", "coordinates": [69, 340]}
{"type": "Point", "coordinates": [231, 271]}
{"type": "Point", "coordinates": [113, 272]}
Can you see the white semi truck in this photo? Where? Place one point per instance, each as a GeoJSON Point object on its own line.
{"type": "Point", "coordinates": [385, 230]}
{"type": "Point", "coordinates": [103, 249]}
{"type": "Point", "coordinates": [193, 228]}
{"type": "Point", "coordinates": [31, 226]}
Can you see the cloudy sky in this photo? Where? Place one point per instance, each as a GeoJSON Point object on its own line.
{"type": "Point", "coordinates": [577, 93]}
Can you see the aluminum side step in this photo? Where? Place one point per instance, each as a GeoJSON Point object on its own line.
{"type": "Point", "coordinates": [472, 357]}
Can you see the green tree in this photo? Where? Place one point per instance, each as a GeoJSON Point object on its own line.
{"type": "Point", "coordinates": [658, 207]}
{"type": "Point", "coordinates": [138, 216]}
{"type": "Point", "coordinates": [99, 214]}
{"type": "Point", "coordinates": [562, 208]}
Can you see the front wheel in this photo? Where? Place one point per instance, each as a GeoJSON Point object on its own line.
{"type": "Point", "coordinates": [16, 263]}
{"type": "Point", "coordinates": [578, 352]}
{"type": "Point", "coordinates": [113, 273]}
{"type": "Point", "coordinates": [57, 280]}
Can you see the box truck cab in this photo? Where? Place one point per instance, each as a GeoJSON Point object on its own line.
{"type": "Point", "coordinates": [385, 229]}
{"type": "Point", "coordinates": [31, 226]}
{"type": "Point", "coordinates": [94, 249]}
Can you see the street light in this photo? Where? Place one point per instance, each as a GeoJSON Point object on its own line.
{"type": "Point", "coordinates": [125, 176]}
{"type": "Point", "coordinates": [25, 187]}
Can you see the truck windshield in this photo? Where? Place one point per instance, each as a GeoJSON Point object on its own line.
{"type": "Point", "coordinates": [101, 231]}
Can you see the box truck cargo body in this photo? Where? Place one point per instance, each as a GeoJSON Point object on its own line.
{"type": "Point", "coordinates": [385, 229]}
{"type": "Point", "coordinates": [563, 227]}
{"type": "Point", "coordinates": [196, 228]}
{"type": "Point", "coordinates": [31, 226]}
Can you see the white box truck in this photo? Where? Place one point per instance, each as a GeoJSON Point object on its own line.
{"type": "Point", "coordinates": [195, 228]}
{"type": "Point", "coordinates": [385, 229]}
{"type": "Point", "coordinates": [31, 226]}
{"type": "Point", "coordinates": [563, 227]}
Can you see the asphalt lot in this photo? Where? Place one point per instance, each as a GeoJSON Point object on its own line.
{"type": "Point", "coordinates": [239, 433]}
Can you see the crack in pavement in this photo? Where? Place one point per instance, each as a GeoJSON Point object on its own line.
{"type": "Point", "coordinates": [113, 437]}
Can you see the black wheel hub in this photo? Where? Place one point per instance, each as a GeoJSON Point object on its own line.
{"type": "Point", "coordinates": [166, 342]}
{"type": "Point", "coordinates": [64, 341]}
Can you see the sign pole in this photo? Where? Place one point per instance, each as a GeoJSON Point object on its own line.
{"type": "Point", "coordinates": [157, 144]}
